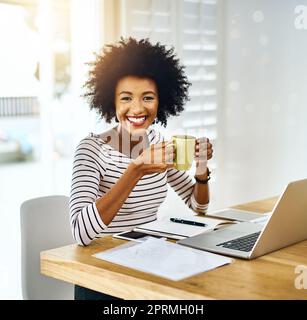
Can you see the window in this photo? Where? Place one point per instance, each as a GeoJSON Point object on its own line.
{"type": "Point", "coordinates": [191, 27]}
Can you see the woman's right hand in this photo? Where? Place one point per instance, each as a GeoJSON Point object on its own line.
{"type": "Point", "coordinates": [156, 159]}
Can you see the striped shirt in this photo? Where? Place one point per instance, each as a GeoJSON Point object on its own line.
{"type": "Point", "coordinates": [96, 168]}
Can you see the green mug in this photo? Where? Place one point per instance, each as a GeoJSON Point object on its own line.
{"type": "Point", "coordinates": [184, 151]}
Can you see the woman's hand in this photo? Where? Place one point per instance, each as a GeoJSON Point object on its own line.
{"type": "Point", "coordinates": [156, 159]}
{"type": "Point", "coordinates": [203, 153]}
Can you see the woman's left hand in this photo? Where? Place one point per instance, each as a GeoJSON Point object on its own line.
{"type": "Point", "coordinates": [203, 153]}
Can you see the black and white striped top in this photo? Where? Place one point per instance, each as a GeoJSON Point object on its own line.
{"type": "Point", "coordinates": [97, 166]}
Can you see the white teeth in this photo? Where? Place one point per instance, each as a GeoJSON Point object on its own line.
{"type": "Point", "coordinates": [137, 120]}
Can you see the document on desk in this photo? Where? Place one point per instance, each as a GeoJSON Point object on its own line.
{"type": "Point", "coordinates": [163, 258]}
{"type": "Point", "coordinates": [166, 228]}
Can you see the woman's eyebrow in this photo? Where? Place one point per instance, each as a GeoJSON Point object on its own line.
{"type": "Point", "coordinates": [144, 93]}
{"type": "Point", "coordinates": [125, 92]}
{"type": "Point", "coordinates": [148, 92]}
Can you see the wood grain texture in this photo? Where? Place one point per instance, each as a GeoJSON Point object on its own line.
{"type": "Point", "coordinates": [269, 277]}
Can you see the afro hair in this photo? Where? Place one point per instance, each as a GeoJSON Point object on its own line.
{"type": "Point", "coordinates": [131, 57]}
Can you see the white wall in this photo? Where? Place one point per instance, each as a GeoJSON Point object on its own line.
{"type": "Point", "coordinates": [264, 100]}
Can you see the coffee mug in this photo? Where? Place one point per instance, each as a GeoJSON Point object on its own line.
{"type": "Point", "coordinates": [184, 151]}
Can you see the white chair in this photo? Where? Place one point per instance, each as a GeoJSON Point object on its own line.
{"type": "Point", "coordinates": [44, 225]}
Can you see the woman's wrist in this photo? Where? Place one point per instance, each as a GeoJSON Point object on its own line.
{"type": "Point", "coordinates": [202, 175]}
{"type": "Point", "coordinates": [135, 168]}
{"type": "Point", "coordinates": [203, 178]}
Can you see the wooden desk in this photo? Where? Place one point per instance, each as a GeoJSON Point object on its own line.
{"type": "Point", "coordinates": [269, 277]}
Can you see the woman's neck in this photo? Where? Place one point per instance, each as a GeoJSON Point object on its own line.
{"type": "Point", "coordinates": [129, 141]}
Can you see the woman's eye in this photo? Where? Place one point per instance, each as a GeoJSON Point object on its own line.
{"type": "Point", "coordinates": [125, 98]}
{"type": "Point", "coordinates": [148, 98]}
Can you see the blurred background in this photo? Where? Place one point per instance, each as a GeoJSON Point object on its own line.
{"type": "Point", "coordinates": [247, 63]}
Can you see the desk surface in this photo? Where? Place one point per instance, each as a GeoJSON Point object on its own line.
{"type": "Point", "coordinates": [269, 277]}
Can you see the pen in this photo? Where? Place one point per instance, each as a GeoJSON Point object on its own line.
{"type": "Point", "coordinates": [193, 223]}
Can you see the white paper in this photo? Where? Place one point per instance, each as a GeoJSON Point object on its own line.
{"type": "Point", "coordinates": [163, 258]}
{"type": "Point", "coordinates": [175, 230]}
{"type": "Point", "coordinates": [235, 214]}
{"type": "Point", "coordinates": [264, 217]}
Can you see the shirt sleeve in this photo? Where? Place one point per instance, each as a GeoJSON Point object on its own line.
{"type": "Point", "coordinates": [183, 184]}
{"type": "Point", "coordinates": [85, 220]}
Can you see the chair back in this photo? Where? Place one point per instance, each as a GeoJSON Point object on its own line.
{"type": "Point", "coordinates": [44, 226]}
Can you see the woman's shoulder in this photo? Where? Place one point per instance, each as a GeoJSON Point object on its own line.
{"type": "Point", "coordinates": [102, 140]}
{"type": "Point", "coordinates": [93, 140]}
{"type": "Point", "coordinates": [155, 135]}
{"type": "Point", "coordinates": [158, 135]}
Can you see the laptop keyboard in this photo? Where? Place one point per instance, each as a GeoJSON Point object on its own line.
{"type": "Point", "coordinates": [245, 243]}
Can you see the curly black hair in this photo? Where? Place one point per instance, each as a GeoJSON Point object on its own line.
{"type": "Point", "coordinates": [141, 59]}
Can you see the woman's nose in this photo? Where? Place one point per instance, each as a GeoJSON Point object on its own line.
{"type": "Point", "coordinates": [137, 108]}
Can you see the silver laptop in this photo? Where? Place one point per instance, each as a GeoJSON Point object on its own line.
{"type": "Point", "coordinates": [285, 226]}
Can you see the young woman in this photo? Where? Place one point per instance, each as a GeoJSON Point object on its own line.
{"type": "Point", "coordinates": [120, 177]}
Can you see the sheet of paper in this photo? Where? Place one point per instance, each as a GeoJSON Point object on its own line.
{"type": "Point", "coordinates": [235, 214]}
{"type": "Point", "coordinates": [264, 217]}
{"type": "Point", "coordinates": [163, 258]}
{"type": "Point", "coordinates": [165, 226]}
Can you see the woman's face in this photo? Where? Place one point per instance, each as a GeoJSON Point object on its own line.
{"type": "Point", "coordinates": [136, 102]}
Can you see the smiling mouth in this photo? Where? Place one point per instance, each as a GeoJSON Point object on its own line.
{"type": "Point", "coordinates": [137, 121]}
